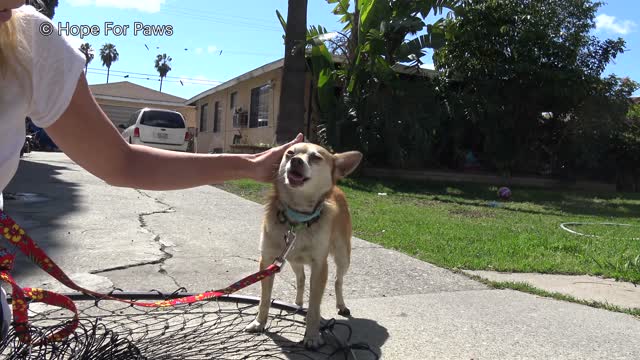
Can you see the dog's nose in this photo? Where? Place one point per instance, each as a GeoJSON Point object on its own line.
{"type": "Point", "coordinates": [297, 162]}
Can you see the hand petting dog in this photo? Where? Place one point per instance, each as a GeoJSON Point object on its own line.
{"type": "Point", "coordinates": [267, 162]}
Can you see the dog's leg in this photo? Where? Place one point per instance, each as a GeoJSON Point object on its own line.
{"type": "Point", "coordinates": [312, 337]}
{"type": "Point", "coordinates": [298, 269]}
{"type": "Point", "coordinates": [265, 299]}
{"type": "Point", "coordinates": [342, 265]}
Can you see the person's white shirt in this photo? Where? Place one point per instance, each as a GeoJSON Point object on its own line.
{"type": "Point", "coordinates": [40, 87]}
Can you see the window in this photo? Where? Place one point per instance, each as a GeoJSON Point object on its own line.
{"type": "Point", "coordinates": [260, 99]}
{"type": "Point", "coordinates": [217, 114]}
{"type": "Point", "coordinates": [203, 117]}
{"type": "Point", "coordinates": [232, 100]}
{"type": "Point", "coordinates": [162, 119]}
{"type": "Point", "coordinates": [240, 120]}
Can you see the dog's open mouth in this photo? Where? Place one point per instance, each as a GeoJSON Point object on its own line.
{"type": "Point", "coordinates": [296, 178]}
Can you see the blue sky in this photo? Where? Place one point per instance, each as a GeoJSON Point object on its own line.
{"type": "Point", "coordinates": [213, 41]}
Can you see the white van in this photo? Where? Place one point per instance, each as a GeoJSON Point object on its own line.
{"type": "Point", "coordinates": [159, 128]}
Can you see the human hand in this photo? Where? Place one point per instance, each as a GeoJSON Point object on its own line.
{"type": "Point", "coordinates": [267, 162]}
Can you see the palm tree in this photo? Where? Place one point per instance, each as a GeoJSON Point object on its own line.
{"type": "Point", "coordinates": [87, 50]}
{"type": "Point", "coordinates": [291, 114]}
{"type": "Point", "coordinates": [163, 66]}
{"type": "Point", "coordinates": [109, 55]}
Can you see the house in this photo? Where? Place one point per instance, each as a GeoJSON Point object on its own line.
{"type": "Point", "coordinates": [244, 110]}
{"type": "Point", "coordinates": [121, 99]}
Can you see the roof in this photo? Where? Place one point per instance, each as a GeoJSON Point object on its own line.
{"type": "Point", "coordinates": [414, 70]}
{"type": "Point", "coordinates": [636, 99]}
{"type": "Point", "coordinates": [127, 91]}
{"type": "Point", "coordinates": [248, 75]}
{"type": "Point", "coordinates": [404, 69]}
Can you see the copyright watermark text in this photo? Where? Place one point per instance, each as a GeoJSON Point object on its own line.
{"type": "Point", "coordinates": [109, 28]}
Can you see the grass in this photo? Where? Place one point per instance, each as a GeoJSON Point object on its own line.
{"type": "Point", "coordinates": [524, 287]}
{"type": "Point", "coordinates": [463, 226]}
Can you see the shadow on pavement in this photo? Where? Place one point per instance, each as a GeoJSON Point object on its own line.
{"type": "Point", "coordinates": [366, 332]}
{"type": "Point", "coordinates": [38, 201]}
{"type": "Point", "coordinates": [365, 336]}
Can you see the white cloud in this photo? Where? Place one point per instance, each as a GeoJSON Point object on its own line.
{"type": "Point", "coordinates": [211, 49]}
{"type": "Point", "coordinates": [611, 24]}
{"type": "Point", "coordinates": [150, 6]}
{"type": "Point", "coordinates": [427, 66]}
{"type": "Point", "coordinates": [198, 51]}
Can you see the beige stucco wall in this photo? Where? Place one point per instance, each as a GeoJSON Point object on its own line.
{"type": "Point", "coordinates": [188, 112]}
{"type": "Point", "coordinates": [207, 141]}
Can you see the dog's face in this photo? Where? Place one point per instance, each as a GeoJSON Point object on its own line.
{"type": "Point", "coordinates": [310, 168]}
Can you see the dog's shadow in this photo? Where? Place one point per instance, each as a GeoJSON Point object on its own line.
{"type": "Point", "coordinates": [363, 339]}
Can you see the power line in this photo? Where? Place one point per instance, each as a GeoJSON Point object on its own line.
{"type": "Point", "coordinates": [250, 22]}
{"type": "Point", "coordinates": [152, 75]}
{"type": "Point", "coordinates": [208, 18]}
{"type": "Point", "coordinates": [150, 46]}
{"type": "Point", "coordinates": [186, 82]}
{"type": "Point", "coordinates": [156, 79]}
{"type": "Point", "coordinates": [200, 11]}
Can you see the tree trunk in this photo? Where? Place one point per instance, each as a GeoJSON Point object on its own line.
{"type": "Point", "coordinates": [354, 41]}
{"type": "Point", "coordinates": [108, 70]}
{"type": "Point", "coordinates": [291, 114]}
{"type": "Point", "coordinates": [161, 83]}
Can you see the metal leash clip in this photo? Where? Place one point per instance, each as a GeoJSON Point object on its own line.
{"type": "Point", "coordinates": [289, 240]}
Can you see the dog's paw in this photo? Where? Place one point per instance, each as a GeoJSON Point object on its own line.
{"type": "Point", "coordinates": [344, 312]}
{"type": "Point", "coordinates": [254, 327]}
{"type": "Point", "coordinates": [314, 341]}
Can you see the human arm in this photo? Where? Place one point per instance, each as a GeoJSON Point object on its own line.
{"type": "Point", "coordinates": [89, 138]}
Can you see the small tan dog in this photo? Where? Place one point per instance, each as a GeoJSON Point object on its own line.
{"type": "Point", "coordinates": [306, 194]}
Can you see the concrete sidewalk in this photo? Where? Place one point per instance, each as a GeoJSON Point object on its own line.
{"type": "Point", "coordinates": [205, 238]}
{"type": "Point", "coordinates": [583, 287]}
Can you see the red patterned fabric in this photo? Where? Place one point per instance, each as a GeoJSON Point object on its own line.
{"type": "Point", "coordinates": [16, 236]}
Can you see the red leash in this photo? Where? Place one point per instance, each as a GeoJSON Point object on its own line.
{"type": "Point", "coordinates": [13, 233]}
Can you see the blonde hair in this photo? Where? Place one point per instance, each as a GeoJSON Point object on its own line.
{"type": "Point", "coordinates": [13, 48]}
{"type": "Point", "coordinates": [9, 44]}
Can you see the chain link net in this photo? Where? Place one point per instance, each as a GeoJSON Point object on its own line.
{"type": "Point", "coordinates": [212, 329]}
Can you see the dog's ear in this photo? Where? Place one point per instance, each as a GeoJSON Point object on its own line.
{"type": "Point", "coordinates": [345, 163]}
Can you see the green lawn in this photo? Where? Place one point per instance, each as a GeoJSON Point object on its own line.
{"type": "Point", "coordinates": [459, 226]}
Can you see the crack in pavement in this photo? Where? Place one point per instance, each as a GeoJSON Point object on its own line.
{"type": "Point", "coordinates": [166, 255]}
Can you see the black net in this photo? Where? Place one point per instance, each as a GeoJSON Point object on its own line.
{"type": "Point", "coordinates": [212, 329]}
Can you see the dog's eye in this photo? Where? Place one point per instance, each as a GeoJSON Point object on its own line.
{"type": "Point", "coordinates": [290, 153]}
{"type": "Point", "coordinates": [315, 157]}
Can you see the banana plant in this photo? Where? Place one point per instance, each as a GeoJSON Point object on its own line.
{"type": "Point", "coordinates": [375, 34]}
